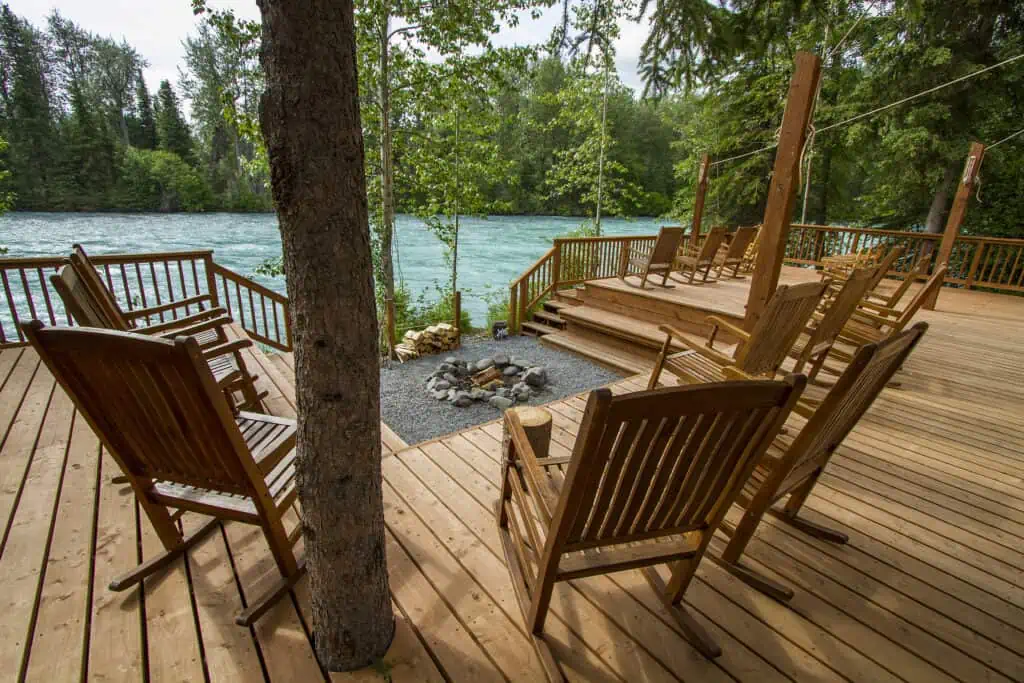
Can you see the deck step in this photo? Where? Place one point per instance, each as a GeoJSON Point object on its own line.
{"type": "Point", "coordinates": [566, 297]}
{"type": "Point", "coordinates": [537, 329]}
{"type": "Point", "coordinates": [609, 357]}
{"type": "Point", "coordinates": [550, 319]}
{"type": "Point", "coordinates": [555, 305]}
{"type": "Point", "coordinates": [639, 332]}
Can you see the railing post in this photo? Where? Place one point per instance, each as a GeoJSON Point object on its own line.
{"type": "Point", "coordinates": [457, 309]}
{"type": "Point", "coordinates": [819, 246]}
{"type": "Point", "coordinates": [211, 280]}
{"type": "Point", "coordinates": [524, 296]}
{"type": "Point", "coordinates": [513, 309]}
{"type": "Point", "coordinates": [973, 272]}
{"type": "Point", "coordinates": [627, 244]}
{"type": "Point", "coordinates": [556, 266]}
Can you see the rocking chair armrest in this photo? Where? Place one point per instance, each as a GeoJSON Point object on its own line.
{"type": "Point", "coordinates": [874, 317]}
{"type": "Point", "coordinates": [879, 309]}
{"type": "Point", "coordinates": [185, 321]}
{"type": "Point", "coordinates": [169, 306]}
{"type": "Point", "coordinates": [801, 407]}
{"type": "Point", "coordinates": [717, 322]}
{"type": "Point", "coordinates": [708, 353]}
{"type": "Point", "coordinates": [224, 349]}
{"type": "Point", "coordinates": [542, 488]}
{"type": "Point", "coordinates": [198, 328]}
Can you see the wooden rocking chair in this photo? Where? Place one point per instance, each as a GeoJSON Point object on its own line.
{"type": "Point", "coordinates": [891, 299]}
{"type": "Point", "coordinates": [879, 273]}
{"type": "Point", "coordinates": [763, 350]}
{"type": "Point", "coordinates": [651, 476]}
{"type": "Point", "coordinates": [873, 323]}
{"type": "Point", "coordinates": [737, 251]}
{"type": "Point", "coordinates": [657, 260]}
{"type": "Point", "coordinates": [693, 259]}
{"type": "Point", "coordinates": [159, 413]}
{"type": "Point", "coordinates": [828, 322]}
{"type": "Point", "coordinates": [91, 304]}
{"type": "Point", "coordinates": [792, 466]}
{"type": "Point", "coordinates": [750, 258]}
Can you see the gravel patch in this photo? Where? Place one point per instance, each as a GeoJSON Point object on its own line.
{"type": "Point", "coordinates": [416, 417]}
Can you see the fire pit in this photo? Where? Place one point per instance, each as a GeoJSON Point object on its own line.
{"type": "Point", "coordinates": [500, 380]}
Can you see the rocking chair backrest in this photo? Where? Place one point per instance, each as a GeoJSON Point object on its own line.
{"type": "Point", "coordinates": [103, 298]}
{"type": "Point", "coordinates": [667, 245]}
{"type": "Point", "coordinates": [919, 270]}
{"type": "Point", "coordinates": [668, 461]}
{"type": "Point", "coordinates": [153, 403]}
{"type": "Point", "coordinates": [778, 328]}
{"type": "Point", "coordinates": [908, 313]}
{"type": "Point", "coordinates": [741, 239]}
{"type": "Point", "coordinates": [842, 306]}
{"type": "Point", "coordinates": [865, 377]}
{"type": "Point", "coordinates": [79, 300]}
{"type": "Point", "coordinates": [711, 244]}
{"type": "Point", "coordinates": [883, 267]}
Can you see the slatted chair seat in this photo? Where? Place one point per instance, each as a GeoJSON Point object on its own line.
{"type": "Point", "coordinates": [161, 415]}
{"type": "Point", "coordinates": [763, 349]}
{"type": "Point", "coordinates": [701, 259]}
{"type": "Point", "coordinates": [654, 261]}
{"type": "Point", "coordinates": [651, 477]}
{"type": "Point", "coordinates": [91, 304]}
{"type": "Point", "coordinates": [793, 464]}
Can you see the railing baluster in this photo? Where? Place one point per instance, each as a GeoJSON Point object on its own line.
{"type": "Point", "coordinates": [28, 294]}
{"type": "Point", "coordinates": [46, 296]}
{"type": "Point", "coordinates": [241, 308]}
{"type": "Point", "coordinates": [156, 290]}
{"type": "Point", "coordinates": [184, 289]}
{"type": "Point", "coordinates": [263, 305]}
{"type": "Point", "coordinates": [227, 295]}
{"type": "Point", "coordinates": [170, 289]}
{"type": "Point", "coordinates": [142, 287]}
{"type": "Point", "coordinates": [10, 304]}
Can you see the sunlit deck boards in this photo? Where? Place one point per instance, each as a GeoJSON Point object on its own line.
{"type": "Point", "coordinates": [930, 587]}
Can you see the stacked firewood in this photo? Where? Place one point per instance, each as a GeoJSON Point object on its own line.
{"type": "Point", "coordinates": [434, 339]}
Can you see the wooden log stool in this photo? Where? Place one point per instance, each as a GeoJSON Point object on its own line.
{"type": "Point", "coordinates": [537, 425]}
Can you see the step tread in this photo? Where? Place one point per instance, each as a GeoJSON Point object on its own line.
{"type": "Point", "coordinates": [598, 352]}
{"type": "Point", "coordinates": [539, 328]}
{"type": "Point", "coordinates": [623, 326]}
{"type": "Point", "coordinates": [549, 318]}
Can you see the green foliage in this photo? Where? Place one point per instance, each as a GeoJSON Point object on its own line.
{"type": "Point", "coordinates": [157, 180]}
{"type": "Point", "coordinates": [171, 130]}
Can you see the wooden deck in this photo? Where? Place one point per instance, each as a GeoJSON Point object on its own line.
{"type": "Point", "coordinates": [929, 589]}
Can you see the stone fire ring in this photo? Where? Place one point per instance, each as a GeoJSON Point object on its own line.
{"type": "Point", "coordinates": [500, 380]}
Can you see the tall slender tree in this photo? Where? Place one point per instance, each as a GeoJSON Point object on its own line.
{"type": "Point", "coordinates": [172, 132]}
{"type": "Point", "coordinates": [144, 129]}
{"type": "Point", "coordinates": [310, 119]}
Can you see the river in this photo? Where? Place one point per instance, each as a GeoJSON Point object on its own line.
{"type": "Point", "coordinates": [492, 251]}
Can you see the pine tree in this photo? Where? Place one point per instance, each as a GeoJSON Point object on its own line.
{"type": "Point", "coordinates": [143, 130]}
{"type": "Point", "coordinates": [172, 131]}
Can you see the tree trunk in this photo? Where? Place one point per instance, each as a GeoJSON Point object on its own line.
{"type": "Point", "coordinates": [310, 119]}
{"type": "Point", "coordinates": [940, 203]}
{"type": "Point", "coordinates": [820, 212]}
{"type": "Point", "coordinates": [387, 187]}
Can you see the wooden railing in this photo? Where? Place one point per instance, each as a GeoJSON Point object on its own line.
{"type": "Point", "coordinates": [570, 261]}
{"type": "Point", "coordinates": [989, 262]}
{"type": "Point", "coordinates": [139, 281]}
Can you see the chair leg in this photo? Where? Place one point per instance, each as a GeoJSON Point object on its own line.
{"type": "Point", "coordinates": [693, 631]}
{"type": "Point", "coordinates": [730, 559]}
{"type": "Point", "coordinates": [158, 562]}
{"type": "Point", "coordinates": [790, 515]}
{"type": "Point", "coordinates": [523, 597]}
{"type": "Point", "coordinates": [258, 607]}
{"type": "Point", "coordinates": [658, 365]}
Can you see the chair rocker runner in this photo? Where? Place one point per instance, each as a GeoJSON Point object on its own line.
{"type": "Point", "coordinates": [693, 259]}
{"type": "Point", "coordinates": [159, 413]}
{"type": "Point", "coordinates": [763, 349]}
{"type": "Point", "coordinates": [651, 476]}
{"type": "Point", "coordinates": [91, 304]}
{"type": "Point", "coordinates": [656, 261]}
{"type": "Point", "coordinates": [737, 251]}
{"type": "Point", "coordinates": [792, 466]}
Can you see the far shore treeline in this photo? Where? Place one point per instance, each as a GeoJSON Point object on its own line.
{"type": "Point", "coordinates": [519, 131]}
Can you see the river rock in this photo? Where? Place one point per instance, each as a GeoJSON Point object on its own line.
{"type": "Point", "coordinates": [439, 394]}
{"type": "Point", "coordinates": [511, 370]}
{"type": "Point", "coordinates": [522, 391]}
{"type": "Point", "coordinates": [484, 363]}
{"type": "Point", "coordinates": [441, 385]}
{"type": "Point", "coordinates": [500, 360]}
{"type": "Point", "coordinates": [450, 378]}
{"type": "Point", "coordinates": [462, 399]}
{"type": "Point", "coordinates": [451, 360]}
{"type": "Point", "coordinates": [501, 403]}
{"type": "Point", "coordinates": [536, 377]}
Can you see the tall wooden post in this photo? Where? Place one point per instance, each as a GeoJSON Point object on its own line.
{"type": "Point", "coordinates": [783, 188]}
{"type": "Point", "coordinates": [957, 213]}
{"type": "Point", "coordinates": [698, 203]}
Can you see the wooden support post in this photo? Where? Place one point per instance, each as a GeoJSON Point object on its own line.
{"type": "Point", "coordinates": [524, 296]}
{"type": "Point", "coordinates": [389, 322]}
{"type": "Point", "coordinates": [957, 213]}
{"type": "Point", "coordinates": [513, 309]}
{"type": "Point", "coordinates": [556, 266]}
{"type": "Point", "coordinates": [782, 191]}
{"type": "Point", "coordinates": [211, 280]}
{"type": "Point", "coordinates": [457, 309]}
{"type": "Point", "coordinates": [698, 202]}
{"type": "Point", "coordinates": [972, 274]}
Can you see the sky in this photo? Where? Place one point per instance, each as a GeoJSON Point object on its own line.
{"type": "Point", "coordinates": [156, 28]}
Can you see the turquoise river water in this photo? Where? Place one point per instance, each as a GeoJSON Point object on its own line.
{"type": "Point", "coordinates": [492, 251]}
